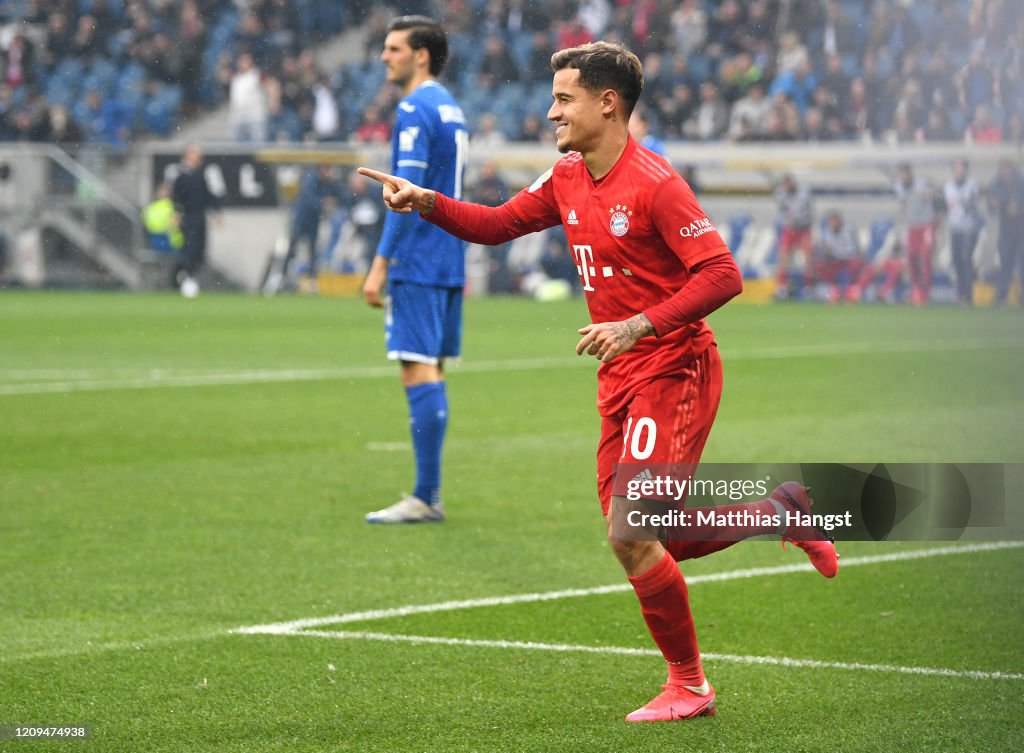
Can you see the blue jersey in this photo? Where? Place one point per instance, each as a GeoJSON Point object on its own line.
{"type": "Point", "coordinates": [429, 148]}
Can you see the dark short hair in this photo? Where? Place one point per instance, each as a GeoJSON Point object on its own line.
{"type": "Point", "coordinates": [604, 65]}
{"type": "Point", "coordinates": [424, 33]}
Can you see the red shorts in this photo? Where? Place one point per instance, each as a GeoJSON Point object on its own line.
{"type": "Point", "coordinates": [666, 423]}
{"type": "Point", "coordinates": [795, 237]}
{"type": "Point", "coordinates": [921, 239]}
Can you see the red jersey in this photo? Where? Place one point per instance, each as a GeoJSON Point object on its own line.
{"type": "Point", "coordinates": [634, 235]}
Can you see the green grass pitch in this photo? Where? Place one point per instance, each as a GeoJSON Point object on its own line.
{"type": "Point", "coordinates": [171, 470]}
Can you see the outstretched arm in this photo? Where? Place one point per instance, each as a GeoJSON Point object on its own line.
{"type": "Point", "coordinates": [401, 195]}
{"type": "Point", "coordinates": [475, 223]}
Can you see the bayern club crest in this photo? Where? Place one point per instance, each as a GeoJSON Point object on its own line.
{"type": "Point", "coordinates": [619, 221]}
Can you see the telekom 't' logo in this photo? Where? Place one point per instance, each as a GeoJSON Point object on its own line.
{"type": "Point", "coordinates": [584, 256]}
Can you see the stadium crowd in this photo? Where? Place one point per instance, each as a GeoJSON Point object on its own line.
{"type": "Point", "coordinates": [103, 71]}
{"type": "Point", "coordinates": [106, 71]}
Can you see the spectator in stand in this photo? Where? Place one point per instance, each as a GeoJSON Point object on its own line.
{"type": "Point", "coordinates": [838, 36]}
{"type": "Point", "coordinates": [689, 28]}
{"type": "Point", "coordinates": [937, 126]}
{"type": "Point", "coordinates": [835, 81]}
{"type": "Point", "coordinates": [539, 68]}
{"type": "Point", "coordinates": [1015, 130]}
{"type": "Point", "coordinates": [712, 116]}
{"type": "Point", "coordinates": [525, 16]}
{"type": "Point", "coordinates": [192, 44]}
{"type": "Point", "coordinates": [647, 30]}
{"type": "Point", "coordinates": [918, 218]}
{"type": "Point", "coordinates": [533, 129]}
{"type": "Point", "coordinates": [27, 123]}
{"type": "Point", "coordinates": [725, 31]}
{"type": "Point", "coordinates": [675, 109]}
{"type": "Point", "coordinates": [374, 129]}
{"type": "Point", "coordinates": [61, 129]}
{"type": "Point", "coordinates": [903, 131]}
{"type": "Point", "coordinates": [749, 114]}
{"type": "Point", "coordinates": [963, 212]}
{"type": "Point", "coordinates": [163, 60]}
{"type": "Point", "coordinates": [951, 31]}
{"type": "Point", "coordinates": [938, 81]}
{"type": "Point", "coordinates": [796, 216]}
{"type": "Point", "coordinates": [487, 134]}
{"type": "Point", "coordinates": [1006, 201]}
{"type": "Point", "coordinates": [798, 85]}
{"type": "Point", "coordinates": [982, 130]}
{"type": "Point", "coordinates": [18, 61]}
{"type": "Point", "coordinates": [838, 262]}
{"type": "Point", "coordinates": [975, 82]}
{"type": "Point", "coordinates": [910, 112]}
{"type": "Point", "coordinates": [105, 120]}
{"type": "Point", "coordinates": [58, 40]}
{"type": "Point", "coordinates": [497, 66]}
{"type": "Point", "coordinates": [326, 118]}
{"type": "Point", "coordinates": [901, 33]}
{"type": "Point", "coordinates": [792, 123]}
{"type": "Point", "coordinates": [572, 33]}
{"type": "Point", "coordinates": [825, 101]}
{"type": "Point", "coordinates": [792, 54]}
{"type": "Point", "coordinates": [858, 115]}
{"type": "Point", "coordinates": [815, 127]}
{"type": "Point", "coordinates": [757, 35]}
{"type": "Point", "coordinates": [879, 103]}
{"type": "Point", "coordinates": [251, 40]}
{"type": "Point", "coordinates": [247, 102]}
{"type": "Point", "coordinates": [594, 15]}
{"type": "Point", "coordinates": [737, 75]}
{"type": "Point", "coordinates": [85, 43]}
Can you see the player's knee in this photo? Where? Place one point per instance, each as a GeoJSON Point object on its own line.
{"type": "Point", "coordinates": [633, 554]}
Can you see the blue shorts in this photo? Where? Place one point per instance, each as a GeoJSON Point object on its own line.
{"type": "Point", "coordinates": [422, 323]}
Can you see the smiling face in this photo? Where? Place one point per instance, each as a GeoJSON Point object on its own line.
{"type": "Point", "coordinates": [401, 59]}
{"type": "Point", "coordinates": [580, 116]}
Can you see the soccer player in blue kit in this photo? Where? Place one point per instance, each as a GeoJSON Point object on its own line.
{"type": "Point", "coordinates": [421, 265]}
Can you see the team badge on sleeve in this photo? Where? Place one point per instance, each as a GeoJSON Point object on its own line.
{"type": "Point", "coordinates": [619, 222]}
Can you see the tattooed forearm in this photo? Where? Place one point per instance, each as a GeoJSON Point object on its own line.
{"type": "Point", "coordinates": [428, 202]}
{"type": "Point", "coordinates": [631, 330]}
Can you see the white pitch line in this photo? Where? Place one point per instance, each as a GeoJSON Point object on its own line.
{"type": "Point", "coordinates": [779, 661]}
{"type": "Point", "coordinates": [388, 446]}
{"type": "Point", "coordinates": [162, 379]}
{"type": "Point", "coordinates": [265, 376]}
{"type": "Point", "coordinates": [95, 648]}
{"type": "Point", "coordinates": [284, 628]}
{"type": "Point", "coordinates": [630, 652]}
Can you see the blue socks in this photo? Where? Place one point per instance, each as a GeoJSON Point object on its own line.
{"type": "Point", "coordinates": [428, 418]}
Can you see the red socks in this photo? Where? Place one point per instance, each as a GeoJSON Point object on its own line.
{"type": "Point", "coordinates": [666, 608]}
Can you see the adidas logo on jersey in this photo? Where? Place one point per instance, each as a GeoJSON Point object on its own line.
{"type": "Point", "coordinates": [571, 219]}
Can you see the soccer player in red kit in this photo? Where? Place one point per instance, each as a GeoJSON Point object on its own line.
{"type": "Point", "coordinates": [652, 266]}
